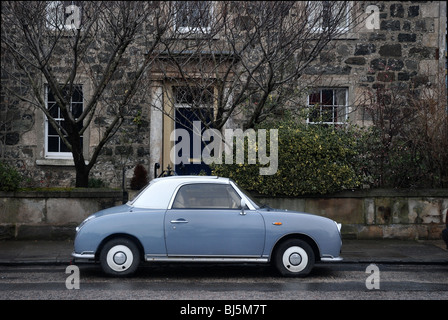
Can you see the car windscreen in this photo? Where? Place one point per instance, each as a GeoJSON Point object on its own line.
{"type": "Point", "coordinates": [248, 195]}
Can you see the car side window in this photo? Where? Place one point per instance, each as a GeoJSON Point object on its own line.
{"type": "Point", "coordinates": [206, 196]}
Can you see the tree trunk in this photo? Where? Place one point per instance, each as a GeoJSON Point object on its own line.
{"type": "Point", "coordinates": [82, 175]}
{"type": "Point", "coordinates": [82, 170]}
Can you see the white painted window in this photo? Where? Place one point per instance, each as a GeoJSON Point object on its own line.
{"type": "Point", "coordinates": [55, 148]}
{"type": "Point", "coordinates": [328, 106]}
{"type": "Point", "coordinates": [193, 16]}
{"type": "Point", "coordinates": [330, 16]}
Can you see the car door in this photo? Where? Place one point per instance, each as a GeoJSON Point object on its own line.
{"type": "Point", "coordinates": [205, 219]}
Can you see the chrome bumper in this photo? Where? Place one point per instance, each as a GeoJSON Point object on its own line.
{"type": "Point", "coordinates": [83, 255]}
{"type": "Point", "coordinates": [331, 259]}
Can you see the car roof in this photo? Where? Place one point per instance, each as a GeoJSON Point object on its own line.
{"type": "Point", "coordinates": [183, 179]}
{"type": "Point", "coordinates": [158, 193]}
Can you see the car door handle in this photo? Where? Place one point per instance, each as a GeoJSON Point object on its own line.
{"type": "Point", "coordinates": [181, 220]}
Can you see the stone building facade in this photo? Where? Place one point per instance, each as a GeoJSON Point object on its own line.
{"type": "Point", "coordinates": [395, 43]}
{"type": "Point", "coordinates": [405, 48]}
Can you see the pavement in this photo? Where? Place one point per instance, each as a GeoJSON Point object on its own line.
{"type": "Point", "coordinates": [353, 251]}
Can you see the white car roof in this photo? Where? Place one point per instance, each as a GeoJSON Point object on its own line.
{"type": "Point", "coordinates": [183, 179]}
{"type": "Point", "coordinates": [158, 193]}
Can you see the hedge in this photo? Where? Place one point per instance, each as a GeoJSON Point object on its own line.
{"type": "Point", "coordinates": [312, 159]}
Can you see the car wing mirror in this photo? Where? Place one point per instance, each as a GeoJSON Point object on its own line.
{"type": "Point", "coordinates": [243, 207]}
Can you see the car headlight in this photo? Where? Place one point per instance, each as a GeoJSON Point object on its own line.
{"type": "Point", "coordinates": [84, 222]}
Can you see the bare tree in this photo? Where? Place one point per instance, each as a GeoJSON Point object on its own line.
{"type": "Point", "coordinates": [249, 55]}
{"type": "Point", "coordinates": [54, 46]}
{"type": "Point", "coordinates": [222, 58]}
{"type": "Point", "coordinates": [411, 133]}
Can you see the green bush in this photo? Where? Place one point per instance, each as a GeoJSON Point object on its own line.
{"type": "Point", "coordinates": [312, 159]}
{"type": "Point", "coordinates": [96, 183]}
{"type": "Point", "coordinates": [10, 178]}
{"type": "Point", "coordinates": [399, 162]}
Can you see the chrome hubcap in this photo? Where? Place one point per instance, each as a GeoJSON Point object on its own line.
{"type": "Point", "coordinates": [119, 258]}
{"type": "Point", "coordinates": [295, 259]}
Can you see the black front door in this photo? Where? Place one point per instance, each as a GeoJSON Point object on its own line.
{"type": "Point", "coordinates": [192, 164]}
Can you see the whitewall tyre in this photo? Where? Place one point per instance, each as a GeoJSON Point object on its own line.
{"type": "Point", "coordinates": [120, 257]}
{"type": "Point", "coordinates": [294, 258]}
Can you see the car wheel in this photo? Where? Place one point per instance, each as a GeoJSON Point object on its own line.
{"type": "Point", "coordinates": [294, 257]}
{"type": "Point", "coordinates": [119, 257]}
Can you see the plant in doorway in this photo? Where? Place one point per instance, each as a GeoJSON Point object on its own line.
{"type": "Point", "coordinates": [140, 177]}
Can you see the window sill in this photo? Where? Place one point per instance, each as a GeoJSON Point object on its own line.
{"type": "Point", "coordinates": [57, 162]}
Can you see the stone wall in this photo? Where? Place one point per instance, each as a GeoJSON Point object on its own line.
{"type": "Point", "coordinates": [22, 124]}
{"type": "Point", "coordinates": [406, 47]}
{"type": "Point", "coordinates": [50, 215]}
{"type": "Point", "coordinates": [371, 214]}
{"type": "Point", "coordinates": [405, 51]}
{"type": "Point", "coordinates": [22, 145]}
{"type": "Point", "coordinates": [376, 214]}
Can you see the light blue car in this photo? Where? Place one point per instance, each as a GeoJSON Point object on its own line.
{"type": "Point", "coordinates": [204, 219]}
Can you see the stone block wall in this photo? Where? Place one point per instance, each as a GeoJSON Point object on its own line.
{"type": "Point", "coordinates": [406, 47]}
{"type": "Point", "coordinates": [50, 215]}
{"type": "Point", "coordinates": [371, 214]}
{"type": "Point", "coordinates": [377, 214]}
{"type": "Point", "coordinates": [22, 146]}
{"type": "Point", "coordinates": [405, 51]}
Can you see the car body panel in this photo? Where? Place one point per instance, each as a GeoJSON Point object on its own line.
{"type": "Point", "coordinates": [321, 230]}
{"type": "Point", "coordinates": [146, 225]}
{"type": "Point", "coordinates": [214, 232]}
{"type": "Point", "coordinates": [165, 232]}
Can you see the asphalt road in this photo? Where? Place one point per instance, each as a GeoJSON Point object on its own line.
{"type": "Point", "coordinates": [226, 282]}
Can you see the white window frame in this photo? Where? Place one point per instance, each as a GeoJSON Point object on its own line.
{"type": "Point", "coordinates": [318, 27]}
{"type": "Point", "coordinates": [192, 29]}
{"type": "Point", "coordinates": [53, 154]}
{"type": "Point", "coordinates": [333, 106]}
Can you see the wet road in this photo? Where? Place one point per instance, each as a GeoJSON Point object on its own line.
{"type": "Point", "coordinates": [227, 282]}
